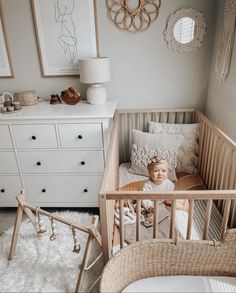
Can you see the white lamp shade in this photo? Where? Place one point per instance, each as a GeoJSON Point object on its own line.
{"type": "Point", "coordinates": [94, 70]}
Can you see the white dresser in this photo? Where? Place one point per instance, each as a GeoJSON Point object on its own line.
{"type": "Point", "coordinates": [56, 152]}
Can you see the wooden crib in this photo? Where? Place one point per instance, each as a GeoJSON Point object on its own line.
{"type": "Point", "coordinates": [216, 166]}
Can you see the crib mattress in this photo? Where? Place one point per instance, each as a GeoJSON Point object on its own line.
{"type": "Point", "coordinates": [183, 284]}
{"type": "Point", "coordinates": [182, 216]}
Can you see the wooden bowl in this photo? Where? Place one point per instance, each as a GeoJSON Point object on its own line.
{"type": "Point", "coordinates": [70, 100]}
{"type": "Point", "coordinates": [70, 96]}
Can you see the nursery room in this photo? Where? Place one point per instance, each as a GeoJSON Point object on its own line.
{"type": "Point", "coordinates": [118, 170]}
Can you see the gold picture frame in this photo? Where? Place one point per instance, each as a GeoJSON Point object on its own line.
{"type": "Point", "coordinates": [66, 31]}
{"type": "Point", "coordinates": [6, 69]}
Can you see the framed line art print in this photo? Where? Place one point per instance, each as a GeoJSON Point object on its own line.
{"type": "Point", "coordinates": [5, 62]}
{"type": "Point", "coordinates": [65, 32]}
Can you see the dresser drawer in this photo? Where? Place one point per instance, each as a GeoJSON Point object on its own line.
{"type": "Point", "coordinates": [5, 138]}
{"type": "Point", "coordinates": [61, 161]}
{"type": "Point", "coordinates": [8, 163]}
{"type": "Point", "coordinates": [10, 186]}
{"type": "Point", "coordinates": [63, 189]}
{"type": "Point", "coordinates": [35, 136]}
{"type": "Point", "coordinates": [80, 135]}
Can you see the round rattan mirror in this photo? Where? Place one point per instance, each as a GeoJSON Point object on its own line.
{"type": "Point", "coordinates": [185, 30]}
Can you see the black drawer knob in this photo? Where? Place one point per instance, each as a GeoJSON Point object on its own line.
{"type": "Point", "coordinates": [85, 190]}
{"type": "Point", "coordinates": [82, 163]}
{"type": "Point", "coordinates": [44, 190]}
{"type": "Point", "coordinates": [33, 137]}
{"type": "Point", "coordinates": [38, 163]}
{"type": "Point", "coordinates": [2, 190]}
{"type": "Point", "coordinates": [80, 136]}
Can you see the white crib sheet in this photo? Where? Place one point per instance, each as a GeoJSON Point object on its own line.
{"type": "Point", "coordinates": [183, 284]}
{"type": "Point", "coordinates": [182, 216]}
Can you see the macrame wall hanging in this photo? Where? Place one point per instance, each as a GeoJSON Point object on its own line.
{"type": "Point", "coordinates": [133, 16]}
{"type": "Point", "coordinates": [226, 41]}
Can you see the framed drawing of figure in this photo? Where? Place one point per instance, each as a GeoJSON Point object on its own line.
{"type": "Point", "coordinates": [5, 62]}
{"type": "Point", "coordinates": [65, 32]}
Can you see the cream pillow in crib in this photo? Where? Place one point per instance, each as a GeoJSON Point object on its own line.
{"type": "Point", "coordinates": [146, 145]}
{"type": "Point", "coordinates": [187, 158]}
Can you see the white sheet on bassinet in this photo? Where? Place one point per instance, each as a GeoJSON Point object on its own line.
{"type": "Point", "coordinates": [181, 216]}
{"type": "Point", "coordinates": [183, 284]}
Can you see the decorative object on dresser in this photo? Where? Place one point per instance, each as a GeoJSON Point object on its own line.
{"type": "Point", "coordinates": [5, 65]}
{"type": "Point", "coordinates": [185, 30]}
{"type": "Point", "coordinates": [26, 98]}
{"type": "Point", "coordinates": [72, 34]}
{"type": "Point", "coordinates": [56, 154]}
{"type": "Point", "coordinates": [9, 105]}
{"type": "Point", "coordinates": [95, 71]}
{"type": "Point", "coordinates": [70, 96]}
{"type": "Point", "coordinates": [133, 18]}
{"type": "Point", "coordinates": [55, 99]}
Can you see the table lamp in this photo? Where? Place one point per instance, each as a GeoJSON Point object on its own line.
{"type": "Point", "coordinates": [95, 71]}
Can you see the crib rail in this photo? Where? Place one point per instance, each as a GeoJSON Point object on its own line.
{"type": "Point", "coordinates": [191, 196]}
{"type": "Point", "coordinates": [217, 161]}
{"type": "Point", "coordinates": [109, 182]}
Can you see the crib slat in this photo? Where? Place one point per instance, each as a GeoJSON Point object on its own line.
{"type": "Point", "coordinates": [206, 152]}
{"type": "Point", "coordinates": [219, 165]}
{"type": "Point", "coordinates": [212, 160]}
{"type": "Point", "coordinates": [138, 220]}
{"type": "Point", "coordinates": [190, 219]}
{"type": "Point", "coordinates": [215, 165]}
{"type": "Point", "coordinates": [201, 148]}
{"type": "Point", "coordinates": [233, 216]}
{"type": "Point", "coordinates": [209, 161]}
{"type": "Point", "coordinates": [155, 220]}
{"type": "Point", "coordinates": [225, 217]}
{"type": "Point", "coordinates": [223, 170]}
{"type": "Point", "coordinates": [207, 219]}
{"type": "Point", "coordinates": [172, 219]}
{"type": "Point", "coordinates": [121, 223]}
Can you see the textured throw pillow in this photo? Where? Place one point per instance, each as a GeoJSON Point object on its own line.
{"type": "Point", "coordinates": [187, 158]}
{"type": "Point", "coordinates": [146, 145]}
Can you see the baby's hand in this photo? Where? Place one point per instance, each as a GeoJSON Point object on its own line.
{"type": "Point", "coordinates": [167, 202]}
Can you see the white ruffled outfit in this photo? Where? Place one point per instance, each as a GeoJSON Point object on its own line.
{"type": "Point", "coordinates": [149, 185]}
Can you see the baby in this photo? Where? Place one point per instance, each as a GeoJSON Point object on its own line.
{"type": "Point", "coordinates": [158, 181]}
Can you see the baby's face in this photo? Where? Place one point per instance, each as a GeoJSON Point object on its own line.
{"type": "Point", "coordinates": [159, 173]}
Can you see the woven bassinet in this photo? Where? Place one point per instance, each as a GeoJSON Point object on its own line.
{"type": "Point", "coordinates": [153, 258]}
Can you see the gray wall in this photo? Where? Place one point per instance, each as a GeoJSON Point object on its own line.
{"type": "Point", "coordinates": [145, 73]}
{"type": "Point", "coordinates": [221, 101]}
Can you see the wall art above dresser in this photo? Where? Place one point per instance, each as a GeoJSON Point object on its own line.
{"type": "Point", "coordinates": [56, 152]}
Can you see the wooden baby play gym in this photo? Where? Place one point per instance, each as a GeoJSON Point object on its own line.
{"type": "Point", "coordinates": [93, 233]}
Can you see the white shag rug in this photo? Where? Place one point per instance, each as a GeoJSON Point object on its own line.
{"type": "Point", "coordinates": [42, 265]}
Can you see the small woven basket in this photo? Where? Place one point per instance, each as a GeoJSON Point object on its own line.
{"type": "Point", "coordinates": [26, 98]}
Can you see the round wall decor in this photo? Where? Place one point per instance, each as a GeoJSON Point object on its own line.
{"type": "Point", "coordinates": [185, 30]}
{"type": "Point", "coordinates": [133, 15]}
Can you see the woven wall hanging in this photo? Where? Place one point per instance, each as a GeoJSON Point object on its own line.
{"type": "Point", "coordinates": [226, 41]}
{"type": "Point", "coordinates": [133, 19]}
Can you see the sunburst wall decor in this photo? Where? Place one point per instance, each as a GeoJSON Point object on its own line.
{"type": "Point", "coordinates": [133, 19]}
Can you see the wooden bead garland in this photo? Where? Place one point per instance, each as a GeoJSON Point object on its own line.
{"type": "Point", "coordinates": [54, 231]}
{"type": "Point", "coordinates": [76, 241]}
{"type": "Point", "coordinates": [39, 222]}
